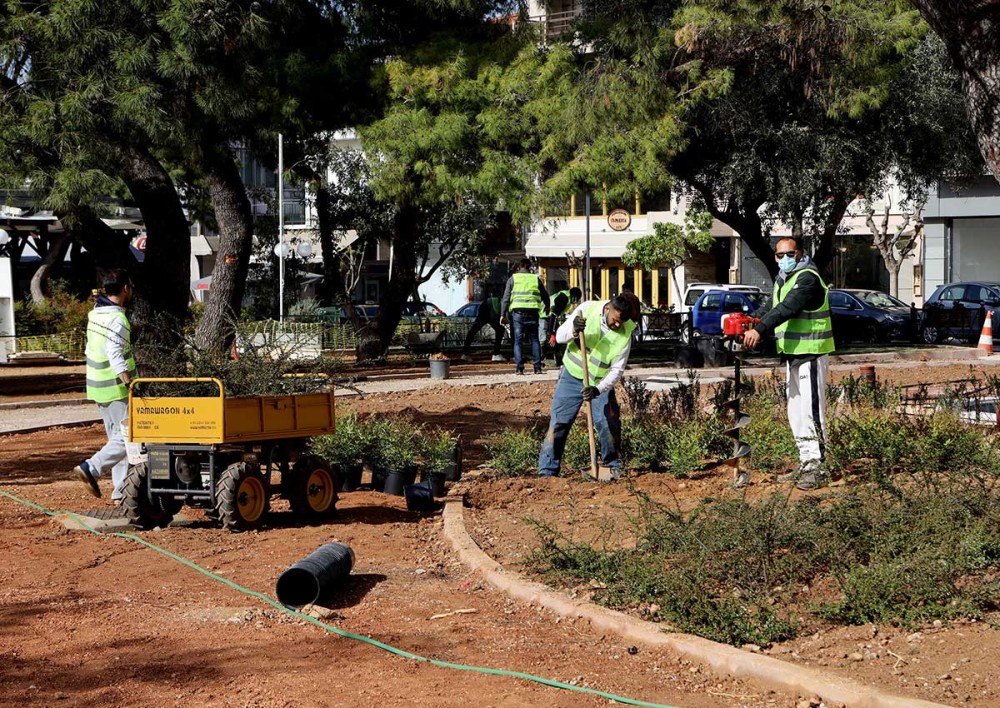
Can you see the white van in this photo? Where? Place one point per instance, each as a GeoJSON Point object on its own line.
{"type": "Point", "coordinates": [696, 290]}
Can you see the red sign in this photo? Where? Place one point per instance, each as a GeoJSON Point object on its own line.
{"type": "Point", "coordinates": [140, 243]}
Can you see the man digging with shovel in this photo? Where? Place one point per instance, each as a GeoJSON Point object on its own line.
{"type": "Point", "coordinates": [599, 337]}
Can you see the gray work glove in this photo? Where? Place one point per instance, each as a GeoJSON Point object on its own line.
{"type": "Point", "coordinates": [579, 324]}
{"type": "Point", "coordinates": [590, 393]}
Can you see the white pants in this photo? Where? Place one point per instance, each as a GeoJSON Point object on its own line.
{"type": "Point", "coordinates": [112, 456]}
{"type": "Point", "coordinates": [807, 408]}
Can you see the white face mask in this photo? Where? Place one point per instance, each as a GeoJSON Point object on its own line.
{"type": "Point", "coordinates": [604, 320]}
{"type": "Point", "coordinates": [787, 264]}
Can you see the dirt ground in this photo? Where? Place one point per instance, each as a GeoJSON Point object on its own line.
{"type": "Point", "coordinates": [105, 621]}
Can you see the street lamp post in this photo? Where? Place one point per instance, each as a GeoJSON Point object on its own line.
{"type": "Point", "coordinates": [281, 231]}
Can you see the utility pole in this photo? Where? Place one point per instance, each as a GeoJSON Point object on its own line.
{"type": "Point", "coordinates": [587, 291]}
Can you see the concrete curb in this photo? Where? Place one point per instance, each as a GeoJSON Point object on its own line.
{"type": "Point", "coordinates": [721, 658]}
{"type": "Point", "coordinates": [42, 404]}
{"type": "Point", "coordinates": [50, 426]}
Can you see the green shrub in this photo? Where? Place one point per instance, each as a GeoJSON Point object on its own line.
{"type": "Point", "coordinates": [513, 452]}
{"type": "Point", "coordinates": [872, 441]}
{"type": "Point", "coordinates": [437, 449]}
{"type": "Point", "coordinates": [345, 446]}
{"type": "Point", "coordinates": [770, 439]}
{"type": "Point", "coordinates": [728, 569]}
{"type": "Point", "coordinates": [60, 313]}
{"type": "Point", "coordinates": [391, 442]}
{"type": "Point", "coordinates": [576, 456]}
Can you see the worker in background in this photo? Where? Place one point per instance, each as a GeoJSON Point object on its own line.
{"type": "Point", "coordinates": [487, 314]}
{"type": "Point", "coordinates": [562, 303]}
{"type": "Point", "coordinates": [635, 307]}
{"type": "Point", "coordinates": [110, 368]}
{"type": "Point", "coordinates": [798, 313]}
{"type": "Point", "coordinates": [607, 332]}
{"type": "Point", "coordinates": [524, 299]}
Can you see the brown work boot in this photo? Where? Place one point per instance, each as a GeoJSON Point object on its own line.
{"type": "Point", "coordinates": [82, 472]}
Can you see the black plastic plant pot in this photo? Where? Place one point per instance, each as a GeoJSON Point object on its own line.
{"type": "Point", "coordinates": [395, 480]}
{"type": "Point", "coordinates": [313, 579]}
{"type": "Point", "coordinates": [419, 497]}
{"type": "Point", "coordinates": [453, 472]}
{"type": "Point", "coordinates": [350, 477]}
{"type": "Point", "coordinates": [435, 480]}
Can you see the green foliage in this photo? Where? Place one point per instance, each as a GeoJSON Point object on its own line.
{"type": "Point", "coordinates": [346, 445]}
{"type": "Point", "coordinates": [437, 449]}
{"type": "Point", "coordinates": [671, 244]}
{"type": "Point", "coordinates": [732, 569]}
{"type": "Point", "coordinates": [576, 456]}
{"type": "Point", "coordinates": [391, 442]}
{"type": "Point", "coordinates": [60, 313]}
{"type": "Point", "coordinates": [770, 438]}
{"type": "Point", "coordinates": [513, 453]}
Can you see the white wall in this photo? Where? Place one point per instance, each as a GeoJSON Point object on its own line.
{"type": "Point", "coordinates": [6, 309]}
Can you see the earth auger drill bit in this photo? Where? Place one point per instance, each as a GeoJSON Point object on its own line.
{"type": "Point", "coordinates": [733, 327]}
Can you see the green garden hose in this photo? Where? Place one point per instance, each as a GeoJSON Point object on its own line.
{"type": "Point", "coordinates": [336, 630]}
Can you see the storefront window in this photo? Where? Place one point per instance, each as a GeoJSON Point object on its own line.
{"type": "Point", "coordinates": [663, 296]}
{"type": "Point", "coordinates": [614, 287]}
{"type": "Point", "coordinates": [647, 284]}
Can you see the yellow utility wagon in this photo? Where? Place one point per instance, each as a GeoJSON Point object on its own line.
{"type": "Point", "coordinates": [218, 453]}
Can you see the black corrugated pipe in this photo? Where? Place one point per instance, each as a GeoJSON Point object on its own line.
{"type": "Point", "coordinates": [311, 579]}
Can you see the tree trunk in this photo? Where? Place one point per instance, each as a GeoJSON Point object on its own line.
{"type": "Point", "coordinates": [40, 280]}
{"type": "Point", "coordinates": [971, 32]}
{"type": "Point", "coordinates": [894, 277]}
{"type": "Point", "coordinates": [163, 287]}
{"type": "Point", "coordinates": [332, 288]}
{"type": "Point", "coordinates": [825, 250]}
{"type": "Point", "coordinates": [402, 278]}
{"type": "Point", "coordinates": [233, 218]}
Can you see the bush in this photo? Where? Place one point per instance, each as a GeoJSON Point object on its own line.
{"type": "Point", "coordinates": [513, 453]}
{"type": "Point", "coordinates": [437, 449]}
{"type": "Point", "coordinates": [345, 446]}
{"type": "Point", "coordinates": [770, 438]}
{"type": "Point", "coordinates": [727, 570]}
{"type": "Point", "coordinates": [60, 313]}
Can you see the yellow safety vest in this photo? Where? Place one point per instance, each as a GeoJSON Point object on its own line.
{"type": "Point", "coordinates": [601, 349]}
{"type": "Point", "coordinates": [103, 385]}
{"type": "Point", "coordinates": [525, 294]}
{"type": "Point", "coordinates": [810, 331]}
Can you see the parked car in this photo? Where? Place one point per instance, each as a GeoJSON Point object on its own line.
{"type": "Point", "coordinates": [422, 309]}
{"type": "Point", "coordinates": [695, 290]}
{"type": "Point", "coordinates": [706, 316]}
{"type": "Point", "coordinates": [338, 315]}
{"type": "Point", "coordinates": [869, 316]}
{"type": "Point", "coordinates": [958, 310]}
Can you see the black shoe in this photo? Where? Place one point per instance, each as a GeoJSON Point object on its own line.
{"type": "Point", "coordinates": [538, 371]}
{"type": "Point", "coordinates": [83, 473]}
{"type": "Point", "coordinates": [519, 372]}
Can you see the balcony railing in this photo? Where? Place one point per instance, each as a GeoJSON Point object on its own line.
{"type": "Point", "coordinates": [556, 24]}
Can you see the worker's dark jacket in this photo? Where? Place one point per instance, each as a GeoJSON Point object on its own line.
{"type": "Point", "coordinates": [807, 294]}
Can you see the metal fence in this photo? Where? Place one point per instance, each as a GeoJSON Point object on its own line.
{"type": "Point", "coordinates": [70, 346]}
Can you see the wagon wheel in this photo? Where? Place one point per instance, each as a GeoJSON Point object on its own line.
{"type": "Point", "coordinates": [241, 497]}
{"type": "Point", "coordinates": [139, 510]}
{"type": "Point", "coordinates": [312, 488]}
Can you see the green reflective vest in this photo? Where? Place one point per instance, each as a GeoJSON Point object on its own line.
{"type": "Point", "coordinates": [552, 299]}
{"type": "Point", "coordinates": [103, 385]}
{"type": "Point", "coordinates": [601, 349]}
{"type": "Point", "coordinates": [525, 294]}
{"type": "Point", "coordinates": [810, 331]}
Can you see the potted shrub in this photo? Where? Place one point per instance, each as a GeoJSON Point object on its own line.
{"type": "Point", "coordinates": [397, 453]}
{"type": "Point", "coordinates": [440, 365]}
{"type": "Point", "coordinates": [343, 450]}
{"type": "Point", "coordinates": [438, 454]}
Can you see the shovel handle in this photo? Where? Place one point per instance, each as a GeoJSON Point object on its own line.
{"type": "Point", "coordinates": [588, 407]}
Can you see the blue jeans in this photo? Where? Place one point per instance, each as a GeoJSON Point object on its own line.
{"type": "Point", "coordinates": [525, 323]}
{"type": "Point", "coordinates": [565, 405]}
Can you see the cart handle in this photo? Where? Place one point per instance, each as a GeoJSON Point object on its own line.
{"type": "Point", "coordinates": [176, 379]}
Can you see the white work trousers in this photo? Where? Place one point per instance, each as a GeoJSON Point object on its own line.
{"type": "Point", "coordinates": [112, 456]}
{"type": "Point", "coordinates": [807, 408]}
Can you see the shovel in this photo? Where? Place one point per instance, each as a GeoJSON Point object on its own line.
{"type": "Point", "coordinates": [594, 473]}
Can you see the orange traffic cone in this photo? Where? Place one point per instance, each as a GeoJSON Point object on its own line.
{"type": "Point", "coordinates": [986, 338]}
